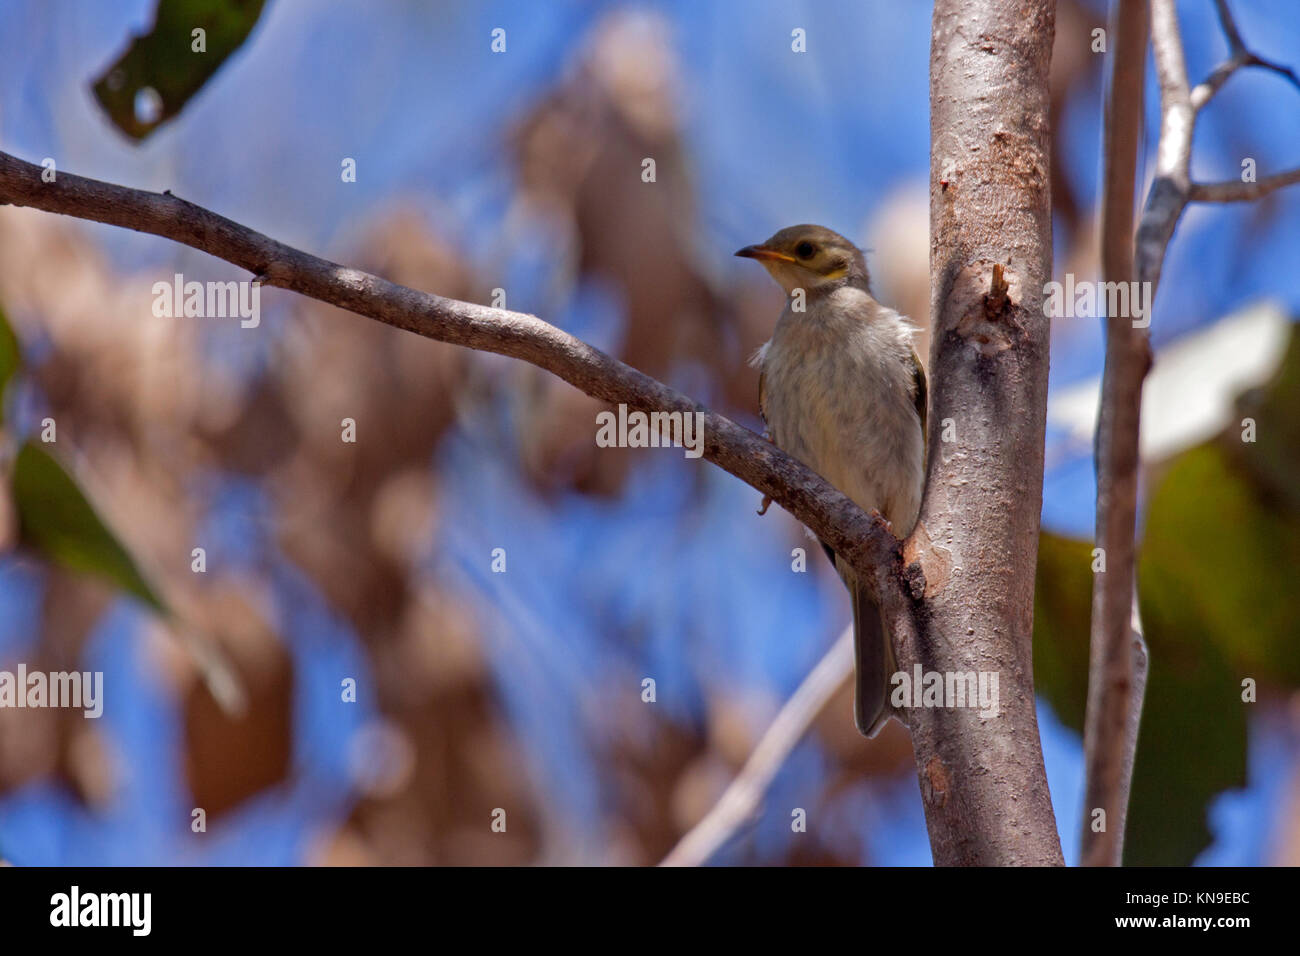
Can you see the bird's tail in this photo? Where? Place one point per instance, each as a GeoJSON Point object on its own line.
{"type": "Point", "coordinates": [874, 663]}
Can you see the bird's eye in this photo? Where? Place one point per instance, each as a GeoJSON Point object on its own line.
{"type": "Point", "coordinates": [805, 250]}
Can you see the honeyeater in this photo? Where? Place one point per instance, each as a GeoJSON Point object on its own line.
{"type": "Point", "coordinates": [841, 388]}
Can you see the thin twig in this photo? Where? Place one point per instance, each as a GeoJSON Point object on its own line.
{"type": "Point", "coordinates": [1114, 696]}
{"type": "Point", "coordinates": [1238, 57]}
{"type": "Point", "coordinates": [1232, 191]}
{"type": "Point", "coordinates": [1180, 106]}
{"type": "Point", "coordinates": [742, 798]}
{"type": "Point", "coordinates": [1141, 667]}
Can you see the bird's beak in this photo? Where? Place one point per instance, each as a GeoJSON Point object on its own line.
{"type": "Point", "coordinates": [761, 252]}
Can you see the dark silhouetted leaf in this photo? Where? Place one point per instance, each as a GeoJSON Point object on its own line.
{"type": "Point", "coordinates": [161, 65]}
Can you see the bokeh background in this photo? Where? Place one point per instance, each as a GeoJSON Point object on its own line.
{"type": "Point", "coordinates": [521, 171]}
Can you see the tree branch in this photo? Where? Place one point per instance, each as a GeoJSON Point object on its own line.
{"type": "Point", "coordinates": [1118, 657]}
{"type": "Point", "coordinates": [1180, 106]}
{"type": "Point", "coordinates": [1232, 191]}
{"type": "Point", "coordinates": [1238, 57]}
{"type": "Point", "coordinates": [1115, 692]}
{"type": "Point", "coordinates": [865, 543]}
{"type": "Point", "coordinates": [740, 801]}
{"type": "Point", "coordinates": [1168, 196]}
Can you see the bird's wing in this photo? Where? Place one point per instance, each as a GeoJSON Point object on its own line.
{"type": "Point", "coordinates": [920, 389]}
{"type": "Point", "coordinates": [759, 361]}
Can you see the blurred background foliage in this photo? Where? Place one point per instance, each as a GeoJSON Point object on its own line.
{"type": "Point", "coordinates": [521, 171]}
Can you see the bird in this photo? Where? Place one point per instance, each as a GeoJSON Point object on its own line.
{"type": "Point", "coordinates": [842, 389]}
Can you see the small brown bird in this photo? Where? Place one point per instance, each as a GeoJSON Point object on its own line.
{"type": "Point", "coordinates": [841, 388]}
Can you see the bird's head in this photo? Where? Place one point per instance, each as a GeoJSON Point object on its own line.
{"type": "Point", "coordinates": [812, 258]}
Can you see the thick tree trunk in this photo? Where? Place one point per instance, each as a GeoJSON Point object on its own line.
{"type": "Point", "coordinates": [982, 779]}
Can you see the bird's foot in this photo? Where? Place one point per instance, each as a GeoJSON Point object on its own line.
{"type": "Point", "coordinates": [877, 518]}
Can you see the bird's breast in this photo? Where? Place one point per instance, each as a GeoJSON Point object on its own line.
{"type": "Point", "coordinates": [838, 396]}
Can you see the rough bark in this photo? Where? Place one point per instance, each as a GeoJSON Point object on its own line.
{"type": "Point", "coordinates": [983, 780]}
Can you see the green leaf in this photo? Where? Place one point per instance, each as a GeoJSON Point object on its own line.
{"type": "Point", "coordinates": [11, 356]}
{"type": "Point", "coordinates": [1062, 612]}
{"type": "Point", "coordinates": [1219, 559]}
{"type": "Point", "coordinates": [1192, 745]}
{"type": "Point", "coordinates": [1272, 460]}
{"type": "Point", "coordinates": [163, 59]}
{"type": "Point", "coordinates": [1220, 544]}
{"type": "Point", "coordinates": [58, 522]}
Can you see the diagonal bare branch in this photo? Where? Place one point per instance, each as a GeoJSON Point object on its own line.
{"type": "Point", "coordinates": [832, 517]}
{"type": "Point", "coordinates": [740, 801]}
